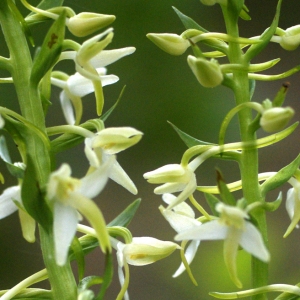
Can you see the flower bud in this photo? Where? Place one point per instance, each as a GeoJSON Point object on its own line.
{"type": "Point", "coordinates": [86, 23]}
{"type": "Point", "coordinates": [116, 139]}
{"type": "Point", "coordinates": [276, 118]}
{"type": "Point", "coordinates": [291, 38]}
{"type": "Point", "coordinates": [171, 43]}
{"type": "Point", "coordinates": [146, 250]}
{"type": "Point", "coordinates": [207, 72]}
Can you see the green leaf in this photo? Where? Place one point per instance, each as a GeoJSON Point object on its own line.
{"type": "Point", "coordinates": [224, 190]}
{"type": "Point", "coordinates": [14, 170]}
{"type": "Point", "coordinates": [191, 142]}
{"type": "Point", "coordinates": [32, 197]}
{"type": "Point", "coordinates": [77, 251]}
{"type": "Point", "coordinates": [212, 201]}
{"type": "Point", "coordinates": [255, 49]}
{"type": "Point", "coordinates": [280, 177]}
{"type": "Point", "coordinates": [107, 277]}
{"type": "Point", "coordinates": [124, 218]}
{"type": "Point", "coordinates": [50, 51]}
{"type": "Point", "coordinates": [188, 22]}
{"type": "Point", "coordinates": [280, 96]}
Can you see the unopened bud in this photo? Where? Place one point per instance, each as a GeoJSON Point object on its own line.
{"type": "Point", "coordinates": [291, 38]}
{"type": "Point", "coordinates": [86, 23]}
{"type": "Point", "coordinates": [171, 43]}
{"type": "Point", "coordinates": [276, 118]}
{"type": "Point", "coordinates": [207, 72]}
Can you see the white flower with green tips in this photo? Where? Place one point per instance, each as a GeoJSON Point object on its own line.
{"type": "Point", "coordinates": [75, 87]}
{"type": "Point", "coordinates": [233, 228]}
{"type": "Point", "coordinates": [110, 141]}
{"type": "Point", "coordinates": [175, 178]}
{"type": "Point", "coordinates": [69, 196]}
{"type": "Point", "coordinates": [181, 218]}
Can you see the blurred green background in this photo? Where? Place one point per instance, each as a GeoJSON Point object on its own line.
{"type": "Point", "coordinates": [162, 88]}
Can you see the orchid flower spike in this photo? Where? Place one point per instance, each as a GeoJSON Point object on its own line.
{"type": "Point", "coordinates": [213, 2]}
{"type": "Point", "coordinates": [181, 218]}
{"type": "Point", "coordinates": [175, 178]}
{"type": "Point", "coordinates": [293, 205]}
{"type": "Point", "coordinates": [110, 141]}
{"type": "Point", "coordinates": [69, 195]}
{"type": "Point", "coordinates": [233, 228]}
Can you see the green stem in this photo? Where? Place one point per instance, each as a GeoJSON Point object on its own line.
{"type": "Point", "coordinates": [61, 278]}
{"type": "Point", "coordinates": [249, 159]}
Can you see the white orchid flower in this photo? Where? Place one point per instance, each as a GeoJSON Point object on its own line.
{"type": "Point", "coordinates": [233, 228]}
{"type": "Point", "coordinates": [140, 252]}
{"type": "Point", "coordinates": [293, 205]}
{"type": "Point", "coordinates": [181, 218]}
{"type": "Point", "coordinates": [175, 178]}
{"type": "Point", "coordinates": [70, 196]}
{"type": "Point", "coordinates": [75, 87]}
{"type": "Point", "coordinates": [88, 57]}
{"type": "Point", "coordinates": [110, 141]}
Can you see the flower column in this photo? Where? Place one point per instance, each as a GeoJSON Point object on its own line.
{"type": "Point", "coordinates": [36, 151]}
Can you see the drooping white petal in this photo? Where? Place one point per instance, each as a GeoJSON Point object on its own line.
{"type": "Point", "coordinates": [251, 240]}
{"type": "Point", "coordinates": [178, 222]}
{"type": "Point", "coordinates": [64, 226]}
{"type": "Point", "coordinates": [169, 187]}
{"type": "Point", "coordinates": [81, 86]}
{"type": "Point", "coordinates": [189, 255]}
{"type": "Point", "coordinates": [67, 108]}
{"type": "Point", "coordinates": [212, 230]}
{"type": "Point", "coordinates": [118, 175]}
{"type": "Point", "coordinates": [107, 57]}
{"type": "Point", "coordinates": [231, 244]}
{"type": "Point", "coordinates": [93, 183]}
{"type": "Point", "coordinates": [290, 202]}
{"type": "Point", "coordinates": [7, 206]}
{"type": "Point", "coordinates": [188, 191]}
{"type": "Point", "coordinates": [182, 208]}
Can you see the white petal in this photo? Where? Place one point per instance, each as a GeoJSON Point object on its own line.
{"type": "Point", "coordinates": [212, 230]}
{"type": "Point", "coordinates": [177, 221]}
{"type": "Point", "coordinates": [7, 206]}
{"type": "Point", "coordinates": [118, 175]}
{"type": "Point", "coordinates": [79, 85]}
{"type": "Point", "coordinates": [189, 255]}
{"type": "Point", "coordinates": [188, 191]}
{"type": "Point", "coordinates": [65, 223]}
{"type": "Point", "coordinates": [107, 57]}
{"type": "Point", "coordinates": [109, 79]}
{"type": "Point", "coordinates": [67, 108]}
{"type": "Point", "coordinates": [290, 202]}
{"type": "Point", "coordinates": [182, 208]}
{"type": "Point", "coordinates": [93, 183]}
{"type": "Point", "coordinates": [252, 242]}
{"type": "Point", "coordinates": [170, 187]}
